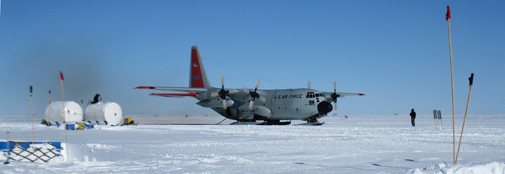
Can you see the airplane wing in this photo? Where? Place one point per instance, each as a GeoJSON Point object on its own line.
{"type": "Point", "coordinates": [179, 89]}
{"type": "Point", "coordinates": [191, 92]}
{"type": "Point", "coordinates": [343, 94]}
{"type": "Point", "coordinates": [175, 94]}
{"type": "Point", "coordinates": [328, 95]}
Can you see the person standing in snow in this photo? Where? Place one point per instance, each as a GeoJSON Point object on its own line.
{"type": "Point", "coordinates": [96, 99]}
{"type": "Point", "coordinates": [413, 117]}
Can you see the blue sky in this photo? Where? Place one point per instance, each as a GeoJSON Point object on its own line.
{"type": "Point", "coordinates": [394, 51]}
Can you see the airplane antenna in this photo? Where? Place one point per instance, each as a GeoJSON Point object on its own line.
{"type": "Point", "coordinates": [308, 84]}
{"type": "Point", "coordinates": [221, 64]}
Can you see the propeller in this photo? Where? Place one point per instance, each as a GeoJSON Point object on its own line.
{"type": "Point", "coordinates": [334, 96]}
{"type": "Point", "coordinates": [254, 94]}
{"type": "Point", "coordinates": [223, 93]}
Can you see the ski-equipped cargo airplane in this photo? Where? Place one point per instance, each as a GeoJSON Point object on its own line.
{"type": "Point", "coordinates": [247, 106]}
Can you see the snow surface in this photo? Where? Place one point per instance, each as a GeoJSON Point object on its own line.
{"type": "Point", "coordinates": [360, 144]}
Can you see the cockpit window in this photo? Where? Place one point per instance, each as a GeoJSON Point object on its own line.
{"type": "Point", "coordinates": [310, 95]}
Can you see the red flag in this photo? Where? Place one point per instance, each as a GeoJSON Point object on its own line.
{"type": "Point", "coordinates": [61, 76]}
{"type": "Point", "coordinates": [448, 14]}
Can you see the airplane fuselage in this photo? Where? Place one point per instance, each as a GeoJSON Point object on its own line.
{"type": "Point", "coordinates": [283, 104]}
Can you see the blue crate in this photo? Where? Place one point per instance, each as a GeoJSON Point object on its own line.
{"type": "Point", "coordinates": [70, 126]}
{"type": "Point", "coordinates": [4, 146]}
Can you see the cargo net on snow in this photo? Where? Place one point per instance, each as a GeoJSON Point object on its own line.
{"type": "Point", "coordinates": [30, 151]}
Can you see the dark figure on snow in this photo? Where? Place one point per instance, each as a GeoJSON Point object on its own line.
{"type": "Point", "coordinates": [413, 117]}
{"type": "Point", "coordinates": [96, 99]}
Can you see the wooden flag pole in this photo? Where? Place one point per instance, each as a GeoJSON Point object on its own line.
{"type": "Point", "coordinates": [8, 149]}
{"type": "Point", "coordinates": [466, 111]}
{"type": "Point", "coordinates": [63, 115]}
{"type": "Point", "coordinates": [31, 107]}
{"type": "Point", "coordinates": [448, 18]}
{"type": "Point", "coordinates": [49, 101]}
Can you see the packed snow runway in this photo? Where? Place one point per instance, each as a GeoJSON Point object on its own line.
{"type": "Point", "coordinates": [360, 144]}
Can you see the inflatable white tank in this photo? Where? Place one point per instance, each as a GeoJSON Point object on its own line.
{"type": "Point", "coordinates": [55, 112]}
{"type": "Point", "coordinates": [109, 113]}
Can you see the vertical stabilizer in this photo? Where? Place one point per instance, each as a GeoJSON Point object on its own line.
{"type": "Point", "coordinates": [198, 76]}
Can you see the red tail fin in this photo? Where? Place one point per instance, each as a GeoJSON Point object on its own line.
{"type": "Point", "coordinates": [198, 76]}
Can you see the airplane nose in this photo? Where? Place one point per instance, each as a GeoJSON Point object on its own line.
{"type": "Point", "coordinates": [324, 107]}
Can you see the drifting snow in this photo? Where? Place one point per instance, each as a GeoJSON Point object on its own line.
{"type": "Point", "coordinates": [490, 168]}
{"type": "Point", "coordinates": [360, 144]}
